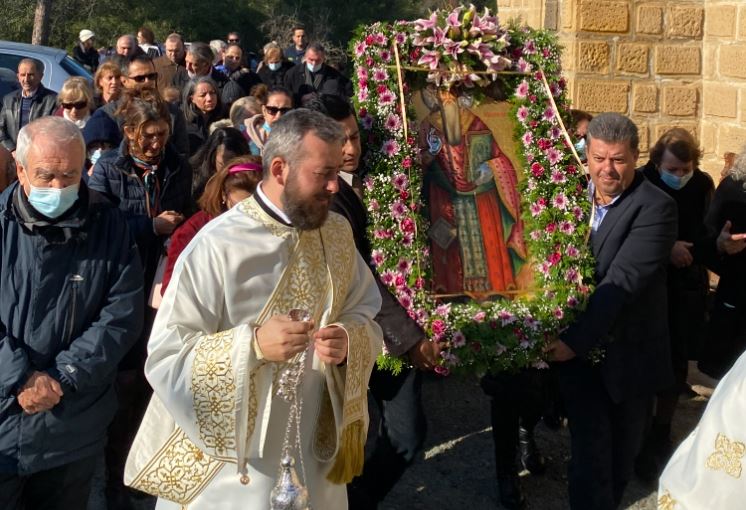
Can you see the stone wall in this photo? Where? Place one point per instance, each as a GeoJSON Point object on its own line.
{"type": "Point", "coordinates": [663, 63]}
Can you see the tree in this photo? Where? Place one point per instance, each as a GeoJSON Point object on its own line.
{"type": "Point", "coordinates": [42, 19]}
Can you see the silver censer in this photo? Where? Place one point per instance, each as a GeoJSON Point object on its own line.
{"type": "Point", "coordinates": [289, 493]}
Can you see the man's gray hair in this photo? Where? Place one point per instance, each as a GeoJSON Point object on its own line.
{"type": "Point", "coordinates": [174, 37]}
{"type": "Point", "coordinates": [613, 128]}
{"type": "Point", "coordinates": [201, 52]}
{"type": "Point", "coordinates": [47, 130]}
{"type": "Point", "coordinates": [132, 39]}
{"type": "Point", "coordinates": [738, 170]}
{"type": "Point", "coordinates": [289, 130]}
{"type": "Point", "coordinates": [317, 47]}
{"type": "Point", "coordinates": [38, 64]}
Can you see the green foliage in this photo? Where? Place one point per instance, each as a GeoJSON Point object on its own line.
{"type": "Point", "coordinates": [333, 20]}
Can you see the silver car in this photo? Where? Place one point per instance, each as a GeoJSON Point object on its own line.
{"type": "Point", "coordinates": [58, 66]}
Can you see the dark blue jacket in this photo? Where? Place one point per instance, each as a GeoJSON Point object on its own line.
{"type": "Point", "coordinates": [71, 301]}
{"type": "Point", "coordinates": [116, 176]}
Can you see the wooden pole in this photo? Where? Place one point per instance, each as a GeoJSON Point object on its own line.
{"type": "Point", "coordinates": [42, 16]}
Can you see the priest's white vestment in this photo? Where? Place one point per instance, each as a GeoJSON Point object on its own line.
{"type": "Point", "coordinates": [212, 435]}
{"type": "Point", "coordinates": [708, 471]}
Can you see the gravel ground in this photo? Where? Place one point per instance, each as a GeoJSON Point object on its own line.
{"type": "Point", "coordinates": [457, 470]}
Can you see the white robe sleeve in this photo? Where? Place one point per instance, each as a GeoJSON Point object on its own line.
{"type": "Point", "coordinates": [196, 370]}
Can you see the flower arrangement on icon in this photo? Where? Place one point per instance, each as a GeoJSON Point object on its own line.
{"type": "Point", "coordinates": [479, 231]}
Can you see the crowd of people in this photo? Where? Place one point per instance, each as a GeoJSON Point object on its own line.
{"type": "Point", "coordinates": [159, 226]}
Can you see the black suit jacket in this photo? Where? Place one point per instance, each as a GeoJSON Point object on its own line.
{"type": "Point", "coordinates": [332, 82]}
{"type": "Point", "coordinates": [400, 332]}
{"type": "Point", "coordinates": [627, 312]}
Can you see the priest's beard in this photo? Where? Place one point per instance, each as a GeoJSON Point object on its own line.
{"type": "Point", "coordinates": [306, 212]}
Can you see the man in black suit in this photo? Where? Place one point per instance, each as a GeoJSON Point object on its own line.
{"type": "Point", "coordinates": [315, 75]}
{"type": "Point", "coordinates": [401, 432]}
{"type": "Point", "coordinates": [615, 356]}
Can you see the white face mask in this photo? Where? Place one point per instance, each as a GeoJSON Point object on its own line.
{"type": "Point", "coordinates": [274, 66]}
{"type": "Point", "coordinates": [313, 68]}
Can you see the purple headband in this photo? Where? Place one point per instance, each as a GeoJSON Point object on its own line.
{"type": "Point", "coordinates": [245, 167]}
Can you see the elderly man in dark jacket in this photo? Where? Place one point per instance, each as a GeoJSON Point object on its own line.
{"type": "Point", "coordinates": [29, 103]}
{"type": "Point", "coordinates": [70, 308]}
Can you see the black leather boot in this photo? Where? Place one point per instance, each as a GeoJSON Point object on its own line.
{"type": "Point", "coordinates": [531, 458]}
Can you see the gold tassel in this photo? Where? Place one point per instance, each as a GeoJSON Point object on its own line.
{"type": "Point", "coordinates": [351, 454]}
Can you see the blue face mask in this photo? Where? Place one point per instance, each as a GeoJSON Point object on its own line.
{"type": "Point", "coordinates": [274, 66]}
{"type": "Point", "coordinates": [266, 127]}
{"type": "Point", "coordinates": [674, 181]}
{"type": "Point", "coordinates": [313, 68]}
{"type": "Point", "coordinates": [53, 202]}
{"type": "Point", "coordinates": [580, 148]}
{"type": "Point", "coordinates": [93, 156]}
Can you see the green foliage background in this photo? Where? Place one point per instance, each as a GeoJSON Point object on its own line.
{"type": "Point", "coordinates": [201, 20]}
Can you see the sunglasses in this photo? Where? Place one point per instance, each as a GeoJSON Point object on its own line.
{"type": "Point", "coordinates": [144, 77]}
{"type": "Point", "coordinates": [236, 41]}
{"type": "Point", "coordinates": [274, 110]}
{"type": "Point", "coordinates": [78, 106]}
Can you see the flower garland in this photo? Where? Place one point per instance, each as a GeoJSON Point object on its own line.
{"type": "Point", "coordinates": [501, 334]}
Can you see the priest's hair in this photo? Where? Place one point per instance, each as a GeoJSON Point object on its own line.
{"type": "Point", "coordinates": [613, 128]}
{"type": "Point", "coordinates": [47, 130]}
{"type": "Point", "coordinates": [287, 134]}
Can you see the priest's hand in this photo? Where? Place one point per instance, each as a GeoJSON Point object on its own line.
{"type": "Point", "coordinates": [281, 338]}
{"type": "Point", "coordinates": [330, 344]}
{"type": "Point", "coordinates": [40, 393]}
{"type": "Point", "coordinates": [425, 354]}
{"type": "Point", "coordinates": [557, 350]}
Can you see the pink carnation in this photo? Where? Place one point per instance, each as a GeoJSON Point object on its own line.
{"type": "Point", "coordinates": [377, 257]}
{"type": "Point", "coordinates": [560, 201]}
{"type": "Point", "coordinates": [390, 148]}
{"type": "Point", "coordinates": [522, 114]}
{"type": "Point", "coordinates": [522, 91]}
{"type": "Point", "coordinates": [458, 339]}
{"type": "Point", "coordinates": [566, 227]}
{"type": "Point", "coordinates": [393, 122]}
{"type": "Point", "coordinates": [479, 317]}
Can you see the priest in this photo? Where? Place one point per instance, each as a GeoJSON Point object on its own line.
{"type": "Point", "coordinates": [214, 431]}
{"type": "Point", "coordinates": [707, 470]}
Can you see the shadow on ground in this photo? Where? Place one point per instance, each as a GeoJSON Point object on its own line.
{"type": "Point", "coordinates": [457, 469]}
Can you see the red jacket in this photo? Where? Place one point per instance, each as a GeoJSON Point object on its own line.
{"type": "Point", "coordinates": [179, 240]}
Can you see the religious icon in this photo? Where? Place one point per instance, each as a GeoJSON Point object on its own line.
{"type": "Point", "coordinates": [471, 195]}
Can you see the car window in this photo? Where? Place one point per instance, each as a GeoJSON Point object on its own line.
{"type": "Point", "coordinates": [10, 61]}
{"type": "Point", "coordinates": [8, 81]}
{"type": "Point", "coordinates": [74, 69]}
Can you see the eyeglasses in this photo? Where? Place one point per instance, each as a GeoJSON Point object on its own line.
{"type": "Point", "coordinates": [78, 106]}
{"type": "Point", "coordinates": [274, 110]}
{"type": "Point", "coordinates": [143, 77]}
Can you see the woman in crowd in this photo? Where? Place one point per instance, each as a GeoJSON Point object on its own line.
{"type": "Point", "coordinates": [150, 183]}
{"type": "Point", "coordinates": [258, 127]}
{"type": "Point", "coordinates": [674, 168]}
{"type": "Point", "coordinates": [75, 101]}
{"type": "Point", "coordinates": [226, 188]}
{"type": "Point", "coordinates": [145, 176]}
{"type": "Point", "coordinates": [108, 83]}
{"type": "Point", "coordinates": [223, 144]}
{"type": "Point", "coordinates": [201, 105]}
{"type": "Point", "coordinates": [242, 109]}
{"type": "Point", "coordinates": [726, 222]}
{"type": "Point", "coordinates": [274, 66]}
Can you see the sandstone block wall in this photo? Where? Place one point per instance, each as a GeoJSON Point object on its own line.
{"type": "Point", "coordinates": [663, 63]}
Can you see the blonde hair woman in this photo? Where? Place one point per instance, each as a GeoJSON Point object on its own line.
{"type": "Point", "coordinates": [75, 101]}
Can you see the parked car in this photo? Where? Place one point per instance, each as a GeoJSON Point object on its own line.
{"type": "Point", "coordinates": [58, 66]}
{"type": "Point", "coordinates": [8, 81]}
